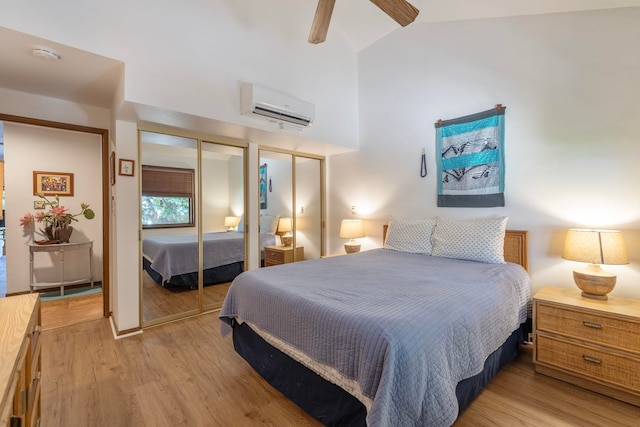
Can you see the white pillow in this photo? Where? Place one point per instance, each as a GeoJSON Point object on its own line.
{"type": "Point", "coordinates": [269, 224]}
{"type": "Point", "coordinates": [410, 235]}
{"type": "Point", "coordinates": [241, 224]}
{"type": "Point", "coordinates": [476, 240]}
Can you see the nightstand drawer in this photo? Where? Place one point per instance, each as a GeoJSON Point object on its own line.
{"type": "Point", "coordinates": [616, 369]}
{"type": "Point", "coordinates": [272, 256]}
{"type": "Point", "coordinates": [587, 326]}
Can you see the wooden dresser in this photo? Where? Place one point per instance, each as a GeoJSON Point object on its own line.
{"type": "Point", "coordinates": [20, 360]}
{"type": "Point", "coordinates": [276, 255]}
{"type": "Point", "coordinates": [591, 343]}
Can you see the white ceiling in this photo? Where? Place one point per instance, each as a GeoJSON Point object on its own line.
{"type": "Point", "coordinates": [91, 79]}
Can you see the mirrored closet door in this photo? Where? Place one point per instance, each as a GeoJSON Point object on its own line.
{"type": "Point", "coordinates": [291, 207]}
{"type": "Point", "coordinates": [193, 197]}
{"type": "Point", "coordinates": [223, 201]}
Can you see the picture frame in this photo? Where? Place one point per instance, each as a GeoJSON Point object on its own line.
{"type": "Point", "coordinates": [52, 183]}
{"type": "Point", "coordinates": [112, 168]}
{"type": "Point", "coordinates": [125, 167]}
{"type": "Point", "coordinates": [38, 204]}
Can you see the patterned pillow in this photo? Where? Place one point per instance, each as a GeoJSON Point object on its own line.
{"type": "Point", "coordinates": [410, 235]}
{"type": "Point", "coordinates": [476, 240]}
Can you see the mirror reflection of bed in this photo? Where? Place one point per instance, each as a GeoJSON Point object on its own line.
{"type": "Point", "coordinates": [177, 215]}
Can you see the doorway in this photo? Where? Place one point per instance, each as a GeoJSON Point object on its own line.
{"type": "Point", "coordinates": [19, 175]}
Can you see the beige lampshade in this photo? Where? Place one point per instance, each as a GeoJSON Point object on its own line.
{"type": "Point", "coordinates": [231, 221]}
{"type": "Point", "coordinates": [595, 247]}
{"type": "Point", "coordinates": [284, 230]}
{"type": "Point", "coordinates": [352, 229]}
{"type": "Point", "coordinates": [284, 225]}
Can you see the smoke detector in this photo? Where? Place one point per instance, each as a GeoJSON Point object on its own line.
{"type": "Point", "coordinates": [45, 53]}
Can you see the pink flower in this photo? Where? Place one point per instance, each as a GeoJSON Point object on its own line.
{"type": "Point", "coordinates": [58, 210]}
{"type": "Point", "coordinates": [26, 220]}
{"type": "Point", "coordinates": [56, 217]}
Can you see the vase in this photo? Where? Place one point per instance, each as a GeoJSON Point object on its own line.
{"type": "Point", "coordinates": [60, 235]}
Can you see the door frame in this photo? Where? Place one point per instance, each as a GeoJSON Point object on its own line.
{"type": "Point", "coordinates": [106, 203]}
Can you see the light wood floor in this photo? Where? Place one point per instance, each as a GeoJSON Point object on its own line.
{"type": "Point", "coordinates": [159, 302]}
{"type": "Point", "coordinates": [69, 311]}
{"type": "Point", "coordinates": [185, 374]}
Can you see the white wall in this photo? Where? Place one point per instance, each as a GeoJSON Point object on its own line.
{"type": "Point", "coordinates": [33, 148]}
{"type": "Point", "coordinates": [571, 84]}
{"type": "Point", "coordinates": [192, 57]}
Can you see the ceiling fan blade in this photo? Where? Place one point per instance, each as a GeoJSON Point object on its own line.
{"type": "Point", "coordinates": [321, 20]}
{"type": "Point", "coordinates": [401, 11]}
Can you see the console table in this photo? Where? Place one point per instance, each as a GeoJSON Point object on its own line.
{"type": "Point", "coordinates": [60, 248]}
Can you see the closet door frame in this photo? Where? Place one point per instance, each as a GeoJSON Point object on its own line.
{"type": "Point", "coordinates": [198, 213]}
{"type": "Point", "coordinates": [322, 178]}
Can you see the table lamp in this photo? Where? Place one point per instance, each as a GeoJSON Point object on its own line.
{"type": "Point", "coordinates": [595, 247]}
{"type": "Point", "coordinates": [352, 229]}
{"type": "Point", "coordinates": [231, 222]}
{"type": "Point", "coordinates": [284, 230]}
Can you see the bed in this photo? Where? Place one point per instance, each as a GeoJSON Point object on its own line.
{"type": "Point", "coordinates": [172, 261]}
{"type": "Point", "coordinates": [404, 335]}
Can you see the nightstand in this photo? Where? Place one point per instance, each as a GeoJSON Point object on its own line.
{"type": "Point", "coordinates": [276, 255]}
{"type": "Point", "coordinates": [590, 343]}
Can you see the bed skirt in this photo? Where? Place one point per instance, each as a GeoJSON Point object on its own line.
{"type": "Point", "coordinates": [211, 276]}
{"type": "Point", "coordinates": [329, 403]}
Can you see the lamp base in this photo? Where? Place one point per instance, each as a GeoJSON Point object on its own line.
{"type": "Point", "coordinates": [352, 248]}
{"type": "Point", "coordinates": [286, 240]}
{"type": "Point", "coordinates": [594, 282]}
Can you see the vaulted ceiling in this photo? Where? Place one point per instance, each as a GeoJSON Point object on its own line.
{"type": "Point", "coordinates": [92, 79]}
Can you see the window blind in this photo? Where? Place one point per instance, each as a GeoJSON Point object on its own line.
{"type": "Point", "coordinates": [168, 182]}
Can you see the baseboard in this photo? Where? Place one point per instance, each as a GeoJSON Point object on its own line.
{"type": "Point", "coordinates": [122, 334]}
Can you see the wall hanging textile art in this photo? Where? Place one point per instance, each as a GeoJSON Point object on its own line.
{"type": "Point", "coordinates": [263, 186]}
{"type": "Point", "coordinates": [470, 160]}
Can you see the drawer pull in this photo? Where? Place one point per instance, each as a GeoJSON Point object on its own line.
{"type": "Point", "coordinates": [592, 325]}
{"type": "Point", "coordinates": [591, 359]}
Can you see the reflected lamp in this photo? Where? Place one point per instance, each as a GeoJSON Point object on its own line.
{"type": "Point", "coordinates": [231, 222]}
{"type": "Point", "coordinates": [352, 229]}
{"type": "Point", "coordinates": [284, 230]}
{"type": "Point", "coordinates": [595, 247]}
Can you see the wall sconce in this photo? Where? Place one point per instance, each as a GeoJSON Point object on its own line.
{"type": "Point", "coordinates": [231, 222]}
{"type": "Point", "coordinates": [352, 229]}
{"type": "Point", "coordinates": [595, 247]}
{"type": "Point", "coordinates": [284, 230]}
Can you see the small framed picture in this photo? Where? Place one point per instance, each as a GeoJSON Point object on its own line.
{"type": "Point", "coordinates": [126, 167]}
{"type": "Point", "coordinates": [38, 204]}
{"type": "Point", "coordinates": [52, 183]}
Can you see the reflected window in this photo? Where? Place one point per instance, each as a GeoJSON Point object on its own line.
{"type": "Point", "coordinates": [167, 197]}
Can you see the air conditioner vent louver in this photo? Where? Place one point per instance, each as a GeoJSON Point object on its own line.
{"type": "Point", "coordinates": [275, 107]}
{"type": "Point", "coordinates": [304, 121]}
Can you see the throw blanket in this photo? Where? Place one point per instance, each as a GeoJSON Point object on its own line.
{"type": "Point", "coordinates": [406, 328]}
{"type": "Point", "coordinates": [174, 255]}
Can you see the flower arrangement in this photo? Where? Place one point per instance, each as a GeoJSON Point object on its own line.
{"type": "Point", "coordinates": [56, 219]}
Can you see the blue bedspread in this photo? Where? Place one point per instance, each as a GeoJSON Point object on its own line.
{"type": "Point", "coordinates": [405, 328]}
{"type": "Point", "coordinates": [175, 255]}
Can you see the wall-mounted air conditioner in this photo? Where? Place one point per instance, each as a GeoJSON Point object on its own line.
{"type": "Point", "coordinates": [275, 107]}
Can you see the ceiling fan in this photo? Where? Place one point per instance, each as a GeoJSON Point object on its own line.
{"type": "Point", "coordinates": [400, 10]}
